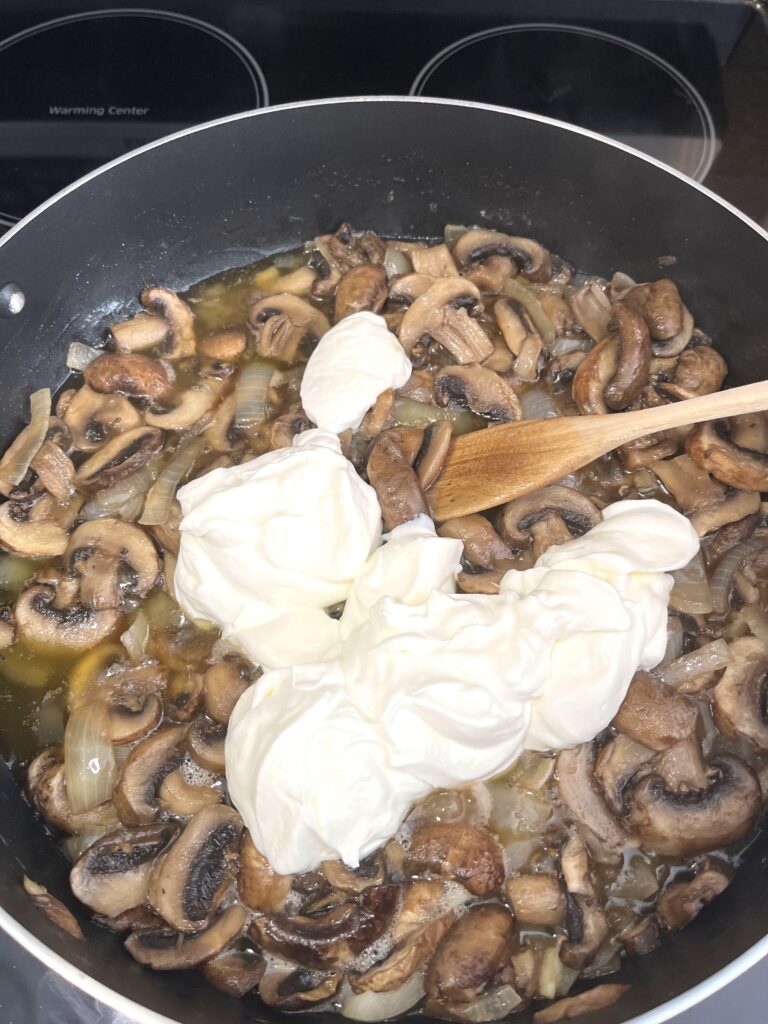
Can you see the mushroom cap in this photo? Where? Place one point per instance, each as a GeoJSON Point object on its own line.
{"type": "Point", "coordinates": [39, 620]}
{"type": "Point", "coordinates": [130, 374]}
{"type": "Point", "coordinates": [661, 306]}
{"type": "Point", "coordinates": [457, 851]}
{"type": "Point", "coordinates": [483, 547]}
{"type": "Point", "coordinates": [740, 703]}
{"type": "Point", "coordinates": [698, 371]}
{"type": "Point", "coordinates": [617, 764]}
{"type": "Point", "coordinates": [235, 973]}
{"type": "Point", "coordinates": [479, 389]}
{"type": "Point", "coordinates": [634, 359]}
{"type": "Point", "coordinates": [536, 900]}
{"type": "Point", "coordinates": [92, 418]}
{"type": "Point", "coordinates": [593, 375]}
{"type": "Point", "coordinates": [361, 288]}
{"type": "Point", "coordinates": [180, 320]}
{"type": "Point", "coordinates": [118, 458]}
{"type": "Point", "coordinates": [653, 714]}
{"type": "Point", "coordinates": [574, 508]}
{"type": "Point", "coordinates": [224, 346]}
{"type": "Point", "coordinates": [739, 467]}
{"type": "Point", "coordinates": [205, 743]}
{"type": "Point", "coordinates": [478, 244]}
{"type": "Point", "coordinates": [28, 528]}
{"type": "Point", "coordinates": [101, 550]}
{"type": "Point", "coordinates": [298, 989]}
{"type": "Point", "coordinates": [260, 887]}
{"type": "Point", "coordinates": [282, 323]}
{"type": "Point", "coordinates": [476, 947]}
{"type": "Point", "coordinates": [442, 314]}
{"type": "Point", "coordinates": [141, 774]}
{"type": "Point", "coordinates": [163, 949]}
{"type": "Point", "coordinates": [390, 473]}
{"type": "Point", "coordinates": [407, 957]}
{"type": "Point", "coordinates": [696, 821]}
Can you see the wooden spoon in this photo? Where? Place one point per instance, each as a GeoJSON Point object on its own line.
{"type": "Point", "coordinates": [492, 466]}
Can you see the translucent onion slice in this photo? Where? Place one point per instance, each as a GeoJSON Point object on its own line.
{"type": "Point", "coordinates": [529, 301]}
{"type": "Point", "coordinates": [15, 463]}
{"type": "Point", "coordinates": [408, 413]}
{"type": "Point", "coordinates": [674, 639]}
{"type": "Point", "coordinates": [89, 761]}
{"type": "Point", "coordinates": [370, 1006]}
{"type": "Point", "coordinates": [124, 498]}
{"type": "Point", "coordinates": [564, 346]}
{"type": "Point", "coordinates": [537, 404]}
{"type": "Point", "coordinates": [79, 355]}
{"type": "Point", "coordinates": [691, 593]}
{"type": "Point", "coordinates": [493, 1005]}
{"type": "Point", "coordinates": [396, 262]}
{"type": "Point", "coordinates": [709, 658]}
{"type": "Point", "coordinates": [74, 845]}
{"type": "Point", "coordinates": [136, 637]}
{"type": "Point", "coordinates": [722, 577]}
{"type": "Point", "coordinates": [160, 498]}
{"type": "Point", "coordinates": [251, 394]}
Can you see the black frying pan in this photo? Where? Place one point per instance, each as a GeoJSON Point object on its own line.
{"type": "Point", "coordinates": [225, 194]}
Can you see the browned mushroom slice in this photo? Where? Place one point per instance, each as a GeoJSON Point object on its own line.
{"type": "Point", "coordinates": [409, 287]}
{"type": "Point", "coordinates": [225, 346]}
{"type": "Point", "coordinates": [131, 374]}
{"type": "Point", "coordinates": [372, 871]}
{"type": "Point", "coordinates": [361, 288]}
{"type": "Point", "coordinates": [119, 458]}
{"type": "Point", "coordinates": [698, 371]}
{"type": "Point", "coordinates": [281, 324]}
{"type": "Point", "coordinates": [529, 520]}
{"type": "Point", "coordinates": [191, 405]}
{"type": "Point", "coordinates": [424, 900]}
{"type": "Point", "coordinates": [39, 619]}
{"type": "Point", "coordinates": [641, 937]}
{"type": "Point", "coordinates": [330, 939]}
{"type": "Point", "coordinates": [391, 475]}
{"type": "Point", "coordinates": [92, 418]}
{"type": "Point", "coordinates": [442, 314]}
{"type": "Point", "coordinates": [47, 792]}
{"type": "Point", "coordinates": [617, 764]}
{"type": "Point", "coordinates": [205, 742]}
{"type": "Point", "coordinates": [585, 1002]}
{"type": "Point", "coordinates": [653, 714]}
{"type": "Point", "coordinates": [474, 950]}
{"type": "Point", "coordinates": [492, 274]}
{"type": "Point", "coordinates": [585, 921]}
{"type": "Point", "coordinates": [113, 874]}
{"type": "Point", "coordinates": [408, 956]}
{"type": "Point", "coordinates": [298, 989]}
{"type": "Point", "coordinates": [592, 309]}
{"type": "Point", "coordinates": [681, 902]}
{"type": "Point", "coordinates": [595, 372]}
{"type": "Point", "coordinates": [147, 765]}
{"type": "Point", "coordinates": [460, 852]}
{"type": "Point", "coordinates": [736, 466]}
{"type": "Point", "coordinates": [435, 260]}
{"type": "Point", "coordinates": [163, 949]}
{"type": "Point", "coordinates": [260, 887]}
{"type": "Point", "coordinates": [133, 716]}
{"type": "Point", "coordinates": [222, 435]}
{"type": "Point", "coordinates": [141, 332]}
{"type": "Point", "coordinates": [660, 304]}
{"type": "Point", "coordinates": [286, 429]}
{"type": "Point", "coordinates": [633, 359]}
{"type": "Point", "coordinates": [134, 919]}
{"type": "Point", "coordinates": [183, 695]}
{"type": "Point", "coordinates": [113, 559]}
{"type": "Point", "coordinates": [223, 685]}
{"type": "Point", "coordinates": [180, 340]}
{"type": "Point", "coordinates": [729, 510]}
{"type": "Point", "coordinates": [483, 547]}
{"type": "Point", "coordinates": [482, 391]}
{"type": "Point", "coordinates": [190, 882]}
{"type": "Point", "coordinates": [52, 907]}
{"type": "Point", "coordinates": [480, 582]}
{"type": "Point", "coordinates": [478, 244]}
{"type": "Point", "coordinates": [689, 484]}
{"type": "Point", "coordinates": [433, 452]}
{"type": "Point", "coordinates": [697, 820]}
{"type": "Point", "coordinates": [536, 900]}
{"type": "Point", "coordinates": [740, 704]}
{"type": "Point", "coordinates": [28, 528]}
{"type": "Point", "coordinates": [184, 798]}
{"type": "Point", "coordinates": [55, 471]}
{"type": "Point", "coordinates": [577, 791]}
{"type": "Point", "coordinates": [682, 766]}
{"type": "Point", "coordinates": [235, 973]}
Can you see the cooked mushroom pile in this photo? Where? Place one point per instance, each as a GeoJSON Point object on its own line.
{"type": "Point", "coordinates": [491, 899]}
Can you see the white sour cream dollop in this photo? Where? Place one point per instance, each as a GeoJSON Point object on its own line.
{"type": "Point", "coordinates": [352, 365]}
{"type": "Point", "coordinates": [431, 688]}
{"type": "Point", "coordinates": [268, 545]}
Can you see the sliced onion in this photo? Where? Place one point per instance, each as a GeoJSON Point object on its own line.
{"type": "Point", "coordinates": [251, 394]}
{"type": "Point", "coordinates": [493, 1005]}
{"type": "Point", "coordinates": [136, 637]}
{"type": "Point", "coordinates": [537, 404]}
{"type": "Point", "coordinates": [157, 507]}
{"type": "Point", "coordinates": [15, 463]}
{"type": "Point", "coordinates": [396, 262]}
{"type": "Point", "coordinates": [408, 413]}
{"type": "Point", "coordinates": [74, 845]}
{"type": "Point", "coordinates": [722, 577]}
{"type": "Point", "coordinates": [124, 498]}
{"type": "Point", "coordinates": [89, 761]}
{"type": "Point", "coordinates": [592, 309]}
{"type": "Point", "coordinates": [530, 303]}
{"type": "Point", "coordinates": [370, 1006]}
{"type": "Point", "coordinates": [620, 285]}
{"type": "Point", "coordinates": [691, 593]}
{"type": "Point", "coordinates": [709, 658]}
{"type": "Point", "coordinates": [453, 232]}
{"type": "Point", "coordinates": [79, 355]}
{"type": "Point", "coordinates": [564, 346]}
{"type": "Point", "coordinates": [674, 639]}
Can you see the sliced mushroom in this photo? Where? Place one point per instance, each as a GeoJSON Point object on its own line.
{"type": "Point", "coordinates": [225, 346]}
{"type": "Point", "coordinates": [736, 466]}
{"type": "Point", "coordinates": [617, 764]}
{"type": "Point", "coordinates": [114, 560]}
{"type": "Point", "coordinates": [119, 458]}
{"type": "Point", "coordinates": [409, 287]}
{"type": "Point", "coordinates": [132, 374]}
{"type": "Point", "coordinates": [192, 405]}
{"type": "Point", "coordinates": [298, 989]}
{"type": "Point", "coordinates": [593, 375]}
{"type": "Point", "coordinates": [481, 390]}
{"type": "Point", "coordinates": [260, 887]}
{"type": "Point", "coordinates": [190, 882]}
{"type": "Point", "coordinates": [132, 717]}
{"type": "Point", "coordinates": [681, 902]}
{"type": "Point", "coordinates": [641, 937]}
{"type": "Point", "coordinates": [28, 527]}
{"type": "Point", "coordinates": [47, 792]}
{"type": "Point", "coordinates": [442, 314]}
{"type": "Point", "coordinates": [575, 783]}
{"type": "Point", "coordinates": [55, 471]}
{"type": "Point", "coordinates": [372, 871]}
{"type": "Point", "coordinates": [460, 852]}
{"type": "Point", "coordinates": [134, 919]}
{"type": "Point", "coordinates": [435, 260]}
{"type": "Point", "coordinates": [147, 765]}
{"type": "Point", "coordinates": [141, 332]}
{"type": "Point", "coordinates": [40, 620]}
{"type": "Point", "coordinates": [653, 714]}
{"type": "Point", "coordinates": [474, 950]}
{"type": "Point", "coordinates": [483, 547]}
{"type": "Point", "coordinates": [491, 274]}
{"type": "Point", "coordinates": [235, 973]}
{"type": "Point", "coordinates": [536, 900]}
{"type": "Point", "coordinates": [163, 949]}
{"type": "Point", "coordinates": [585, 921]}
{"type": "Point", "coordinates": [224, 684]}
{"type": "Point", "coordinates": [660, 304]}
{"type": "Point", "coordinates": [180, 340]}
{"type": "Point", "coordinates": [405, 959]}
{"type": "Point", "coordinates": [390, 472]}
{"type": "Point", "coordinates": [689, 484]}
{"type": "Point", "coordinates": [596, 998]}
{"type": "Point", "coordinates": [698, 371]}
{"type": "Point", "coordinates": [282, 324]}
{"type": "Point", "coordinates": [522, 522]}
{"type": "Point", "coordinates": [478, 244]}
{"type": "Point", "coordinates": [361, 288]}
{"type": "Point", "coordinates": [92, 418]}
{"type": "Point", "coordinates": [433, 452]}
{"type": "Point", "coordinates": [183, 695]}
{"type": "Point", "coordinates": [740, 703]}
{"type": "Point", "coordinates": [52, 907]}
{"type": "Point", "coordinates": [7, 628]}
{"type": "Point", "coordinates": [286, 428]}
{"type": "Point", "coordinates": [330, 939]}
{"type": "Point", "coordinates": [729, 510]}
{"type": "Point", "coordinates": [633, 359]}
{"type": "Point", "coordinates": [697, 820]}
{"type": "Point", "coordinates": [184, 798]}
{"type": "Point", "coordinates": [222, 435]}
{"type": "Point", "coordinates": [205, 742]}
{"type": "Point", "coordinates": [113, 874]}
{"type": "Point", "coordinates": [682, 766]}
